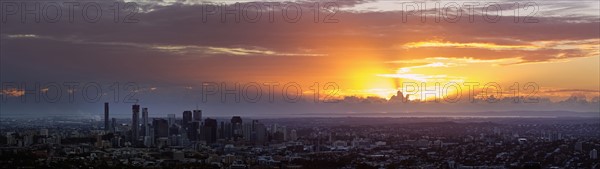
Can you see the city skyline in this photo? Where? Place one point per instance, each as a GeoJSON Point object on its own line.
{"type": "Point", "coordinates": [300, 84]}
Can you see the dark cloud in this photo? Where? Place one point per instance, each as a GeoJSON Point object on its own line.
{"type": "Point", "coordinates": [172, 46]}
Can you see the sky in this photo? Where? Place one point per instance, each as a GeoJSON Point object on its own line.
{"type": "Point", "coordinates": [173, 51]}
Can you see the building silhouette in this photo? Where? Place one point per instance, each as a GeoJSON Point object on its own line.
{"type": "Point", "coordinates": [192, 131]}
{"type": "Point", "coordinates": [145, 128]}
{"type": "Point", "coordinates": [161, 128]}
{"type": "Point", "coordinates": [114, 125]}
{"type": "Point", "coordinates": [197, 115]}
{"type": "Point", "coordinates": [187, 118]}
{"type": "Point", "coordinates": [135, 122]}
{"type": "Point", "coordinates": [259, 132]}
{"type": "Point", "coordinates": [106, 124]}
{"type": "Point", "coordinates": [210, 130]}
{"type": "Point", "coordinates": [579, 146]}
{"type": "Point", "coordinates": [236, 127]}
{"type": "Point", "coordinates": [171, 118]}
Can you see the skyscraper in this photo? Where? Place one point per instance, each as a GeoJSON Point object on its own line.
{"type": "Point", "coordinates": [227, 131]}
{"type": "Point", "coordinates": [293, 135]}
{"type": "Point", "coordinates": [187, 118]}
{"type": "Point", "coordinates": [247, 132]}
{"type": "Point", "coordinates": [161, 128]}
{"type": "Point", "coordinates": [197, 115]}
{"type": "Point", "coordinates": [236, 120]}
{"type": "Point", "coordinates": [283, 130]}
{"type": "Point", "coordinates": [594, 154]}
{"type": "Point", "coordinates": [274, 128]}
{"type": "Point", "coordinates": [260, 133]}
{"type": "Point", "coordinates": [146, 129]}
{"type": "Point", "coordinates": [236, 127]}
{"type": "Point", "coordinates": [221, 130]}
{"type": "Point", "coordinates": [114, 125]}
{"type": "Point", "coordinates": [173, 130]}
{"type": "Point", "coordinates": [210, 133]}
{"type": "Point", "coordinates": [106, 124]}
{"type": "Point", "coordinates": [579, 146]}
{"type": "Point", "coordinates": [135, 122]}
{"type": "Point", "coordinates": [171, 118]}
{"type": "Point", "coordinates": [193, 130]}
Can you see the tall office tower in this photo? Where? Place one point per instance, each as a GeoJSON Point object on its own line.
{"type": "Point", "coordinates": [145, 128]}
{"type": "Point", "coordinates": [293, 135]}
{"type": "Point", "coordinates": [236, 127]}
{"type": "Point", "coordinates": [106, 124]}
{"type": "Point", "coordinates": [579, 146]}
{"type": "Point", "coordinates": [221, 130]}
{"type": "Point", "coordinates": [161, 128]}
{"type": "Point", "coordinates": [275, 128]}
{"type": "Point", "coordinates": [173, 130]}
{"type": "Point", "coordinates": [114, 125]}
{"type": "Point", "coordinates": [210, 126]}
{"type": "Point", "coordinates": [197, 115]}
{"type": "Point", "coordinates": [283, 129]}
{"type": "Point", "coordinates": [135, 122]}
{"type": "Point", "coordinates": [192, 131]}
{"type": "Point", "coordinates": [236, 120]}
{"type": "Point", "coordinates": [187, 118]}
{"type": "Point", "coordinates": [247, 132]}
{"type": "Point", "coordinates": [171, 118]}
{"type": "Point", "coordinates": [228, 132]}
{"type": "Point", "coordinates": [260, 133]}
{"type": "Point", "coordinates": [594, 154]}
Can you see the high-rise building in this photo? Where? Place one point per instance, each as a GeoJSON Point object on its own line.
{"type": "Point", "coordinates": [145, 128]}
{"type": "Point", "coordinates": [247, 131]}
{"type": "Point", "coordinates": [197, 115]}
{"type": "Point", "coordinates": [171, 118]}
{"type": "Point", "coordinates": [236, 120]}
{"type": "Point", "coordinates": [221, 130]}
{"type": "Point", "coordinates": [594, 154]}
{"type": "Point", "coordinates": [579, 146]}
{"type": "Point", "coordinates": [227, 131]}
{"type": "Point", "coordinates": [193, 130]}
{"type": "Point", "coordinates": [274, 128]}
{"type": "Point", "coordinates": [236, 127]}
{"type": "Point", "coordinates": [293, 135]}
{"type": "Point", "coordinates": [135, 122]}
{"type": "Point", "coordinates": [260, 133]}
{"type": "Point", "coordinates": [187, 118]}
{"type": "Point", "coordinates": [210, 133]}
{"type": "Point", "coordinates": [173, 130]}
{"type": "Point", "coordinates": [106, 124]}
{"type": "Point", "coordinates": [114, 125]}
{"type": "Point", "coordinates": [161, 128]}
{"type": "Point", "coordinates": [283, 129]}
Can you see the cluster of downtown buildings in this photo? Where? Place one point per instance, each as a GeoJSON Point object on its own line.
{"type": "Point", "coordinates": [191, 130]}
{"type": "Point", "coordinates": [312, 143]}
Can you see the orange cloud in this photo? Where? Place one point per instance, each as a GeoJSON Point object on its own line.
{"type": "Point", "coordinates": [13, 92]}
{"type": "Point", "coordinates": [490, 46]}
